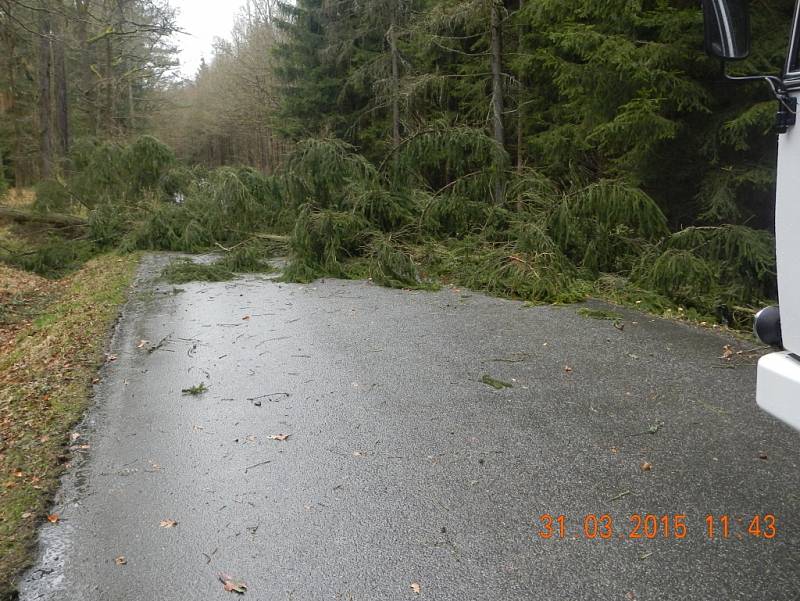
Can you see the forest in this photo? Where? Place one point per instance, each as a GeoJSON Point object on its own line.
{"type": "Point", "coordinates": [543, 150]}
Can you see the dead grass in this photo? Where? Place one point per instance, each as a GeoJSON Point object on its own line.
{"type": "Point", "coordinates": [45, 379]}
{"type": "Point", "coordinates": [21, 198]}
{"type": "Point", "coordinates": [22, 296]}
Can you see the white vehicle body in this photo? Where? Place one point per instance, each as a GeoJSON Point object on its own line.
{"type": "Point", "coordinates": [779, 373]}
{"type": "Point", "coordinates": [727, 33]}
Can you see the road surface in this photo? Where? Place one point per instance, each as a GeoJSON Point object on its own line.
{"type": "Point", "coordinates": [404, 476]}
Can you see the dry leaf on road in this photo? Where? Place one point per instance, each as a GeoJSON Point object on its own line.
{"type": "Point", "coordinates": [647, 466]}
{"type": "Point", "coordinates": [416, 587]}
{"type": "Point", "coordinates": [54, 518]}
{"type": "Point", "coordinates": [168, 523]}
{"type": "Point", "coordinates": [121, 561]}
{"type": "Point", "coordinates": [231, 586]}
{"type": "Point", "coordinates": [280, 437]}
{"type": "Point", "coordinates": [143, 343]}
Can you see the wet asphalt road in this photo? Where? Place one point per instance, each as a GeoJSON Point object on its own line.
{"type": "Point", "coordinates": [401, 467]}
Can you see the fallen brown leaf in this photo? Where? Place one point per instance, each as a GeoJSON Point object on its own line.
{"type": "Point", "coordinates": [279, 437]}
{"type": "Point", "coordinates": [647, 466]}
{"type": "Point", "coordinates": [53, 518]}
{"type": "Point", "coordinates": [762, 455]}
{"type": "Point", "coordinates": [416, 587]}
{"type": "Point", "coordinates": [246, 318]}
{"type": "Point", "coordinates": [168, 523]}
{"type": "Point", "coordinates": [121, 561]}
{"type": "Point", "coordinates": [231, 586]}
{"type": "Point", "coordinates": [568, 369]}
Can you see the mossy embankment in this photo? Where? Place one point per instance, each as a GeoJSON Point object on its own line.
{"type": "Point", "coordinates": [48, 361]}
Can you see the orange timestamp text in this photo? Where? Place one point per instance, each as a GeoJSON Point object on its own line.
{"type": "Point", "coordinates": [648, 526]}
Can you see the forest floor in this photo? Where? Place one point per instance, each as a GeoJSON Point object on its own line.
{"type": "Point", "coordinates": [52, 336]}
{"type": "Point", "coordinates": [339, 440]}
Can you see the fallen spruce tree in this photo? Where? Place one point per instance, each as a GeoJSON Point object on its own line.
{"type": "Point", "coordinates": [427, 214]}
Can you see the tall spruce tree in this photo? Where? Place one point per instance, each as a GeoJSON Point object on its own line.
{"type": "Point", "coordinates": [309, 85]}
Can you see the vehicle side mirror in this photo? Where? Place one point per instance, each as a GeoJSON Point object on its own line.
{"type": "Point", "coordinates": [727, 26]}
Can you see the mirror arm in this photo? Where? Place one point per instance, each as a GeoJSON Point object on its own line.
{"type": "Point", "coordinates": [787, 113]}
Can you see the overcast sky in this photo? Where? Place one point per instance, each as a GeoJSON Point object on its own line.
{"type": "Point", "coordinates": [203, 20]}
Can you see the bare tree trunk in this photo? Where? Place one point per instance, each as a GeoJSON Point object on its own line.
{"type": "Point", "coordinates": [19, 173]}
{"type": "Point", "coordinates": [520, 138]}
{"type": "Point", "coordinates": [87, 80]}
{"type": "Point", "coordinates": [109, 74]}
{"type": "Point", "coordinates": [62, 102]}
{"type": "Point", "coordinates": [131, 108]}
{"type": "Point", "coordinates": [124, 69]}
{"type": "Point", "coordinates": [22, 216]}
{"type": "Point", "coordinates": [45, 91]}
{"type": "Point", "coordinates": [497, 90]}
{"type": "Point", "coordinates": [395, 82]}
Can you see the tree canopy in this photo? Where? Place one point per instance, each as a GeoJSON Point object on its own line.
{"type": "Point", "coordinates": [508, 141]}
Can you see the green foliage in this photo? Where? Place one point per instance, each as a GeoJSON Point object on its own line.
{"type": "Point", "coordinates": [504, 270]}
{"type": "Point", "coordinates": [602, 225]}
{"type": "Point", "coordinates": [680, 275]}
{"type": "Point", "coordinates": [391, 265]}
{"type": "Point", "coordinates": [495, 383]}
{"type": "Point", "coordinates": [323, 241]}
{"type": "Point", "coordinates": [265, 190]}
{"type": "Point", "coordinates": [745, 258]}
{"type": "Point", "coordinates": [600, 314]}
{"type": "Point", "coordinates": [177, 180]}
{"type": "Point", "coordinates": [454, 216]}
{"type": "Point", "coordinates": [196, 390]}
{"type": "Point", "coordinates": [320, 172]}
{"type": "Point", "coordinates": [309, 84]}
{"type": "Point", "coordinates": [249, 257]}
{"type": "Point", "coordinates": [147, 161]}
{"type": "Point", "coordinates": [167, 226]}
{"type": "Point", "coordinates": [184, 271]}
{"type": "Point", "coordinates": [107, 224]}
{"type": "Point", "coordinates": [52, 257]}
{"type": "Point", "coordinates": [52, 196]}
{"type": "Point", "coordinates": [462, 160]}
{"type": "Point", "coordinates": [98, 172]}
{"type": "Point", "coordinates": [388, 210]}
{"type": "Point", "coordinates": [3, 182]}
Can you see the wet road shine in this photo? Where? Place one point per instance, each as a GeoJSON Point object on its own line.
{"type": "Point", "coordinates": [404, 476]}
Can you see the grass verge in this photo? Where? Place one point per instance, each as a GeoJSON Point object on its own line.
{"type": "Point", "coordinates": [45, 380]}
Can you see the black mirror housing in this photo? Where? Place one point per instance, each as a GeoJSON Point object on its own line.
{"type": "Point", "coordinates": [727, 28]}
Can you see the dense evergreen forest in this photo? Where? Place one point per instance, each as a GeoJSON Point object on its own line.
{"type": "Point", "coordinates": [547, 150]}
